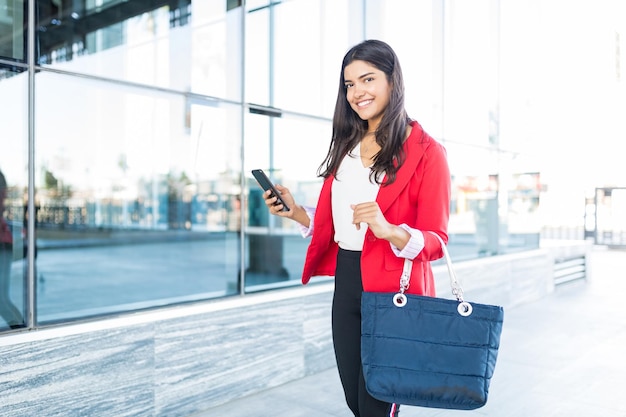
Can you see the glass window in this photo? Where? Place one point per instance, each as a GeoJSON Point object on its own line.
{"type": "Point", "coordinates": [137, 198]}
{"type": "Point", "coordinates": [469, 78]}
{"type": "Point", "coordinates": [257, 4]}
{"type": "Point", "coordinates": [416, 52]}
{"type": "Point", "coordinates": [289, 150]}
{"type": "Point", "coordinates": [216, 51]}
{"type": "Point", "coordinates": [13, 198]}
{"type": "Point", "coordinates": [300, 76]}
{"type": "Point", "coordinates": [155, 46]}
{"type": "Point", "coordinates": [474, 224]}
{"type": "Point", "coordinates": [142, 196]}
{"type": "Point", "coordinates": [300, 68]}
{"type": "Point", "coordinates": [12, 30]}
{"type": "Point", "coordinates": [494, 207]}
{"type": "Point", "coordinates": [257, 61]}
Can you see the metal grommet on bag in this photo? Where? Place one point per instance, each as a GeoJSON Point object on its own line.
{"type": "Point", "coordinates": [399, 300]}
{"type": "Point", "coordinates": [464, 308]}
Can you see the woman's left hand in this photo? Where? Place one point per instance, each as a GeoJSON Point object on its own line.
{"type": "Point", "coordinates": [371, 214]}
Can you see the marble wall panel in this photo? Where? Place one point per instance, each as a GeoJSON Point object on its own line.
{"type": "Point", "coordinates": [506, 280]}
{"type": "Point", "coordinates": [106, 373]}
{"type": "Point", "coordinates": [239, 353]}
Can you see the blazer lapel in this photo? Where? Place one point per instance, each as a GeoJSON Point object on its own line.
{"type": "Point", "coordinates": [414, 150]}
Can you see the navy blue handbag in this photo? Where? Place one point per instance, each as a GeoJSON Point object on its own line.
{"type": "Point", "coordinates": [427, 351]}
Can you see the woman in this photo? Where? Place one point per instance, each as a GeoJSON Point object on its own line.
{"type": "Point", "coordinates": [386, 181]}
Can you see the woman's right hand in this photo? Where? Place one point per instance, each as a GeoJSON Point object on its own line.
{"type": "Point", "coordinates": [296, 212]}
{"type": "Point", "coordinates": [275, 207]}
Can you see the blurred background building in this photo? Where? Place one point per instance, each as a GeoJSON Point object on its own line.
{"type": "Point", "coordinates": [128, 130]}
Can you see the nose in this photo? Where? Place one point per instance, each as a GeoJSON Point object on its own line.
{"type": "Point", "coordinates": [358, 91]}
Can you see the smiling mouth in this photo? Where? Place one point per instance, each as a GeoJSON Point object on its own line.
{"type": "Point", "coordinates": [363, 103]}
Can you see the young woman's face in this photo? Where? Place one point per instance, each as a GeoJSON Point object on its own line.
{"type": "Point", "coordinates": [367, 91]}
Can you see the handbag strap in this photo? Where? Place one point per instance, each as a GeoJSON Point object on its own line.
{"type": "Point", "coordinates": [457, 291]}
{"type": "Point", "coordinates": [405, 278]}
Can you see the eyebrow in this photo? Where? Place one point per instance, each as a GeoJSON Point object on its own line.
{"type": "Point", "coordinates": [360, 77]}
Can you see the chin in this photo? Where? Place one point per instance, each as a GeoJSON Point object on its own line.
{"type": "Point", "coordinates": [364, 115]}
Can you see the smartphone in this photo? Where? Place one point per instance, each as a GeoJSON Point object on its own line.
{"type": "Point", "coordinates": [266, 184]}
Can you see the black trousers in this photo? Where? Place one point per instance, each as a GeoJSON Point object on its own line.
{"type": "Point", "coordinates": [346, 325]}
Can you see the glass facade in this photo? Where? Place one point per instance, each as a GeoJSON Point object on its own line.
{"type": "Point", "coordinates": [137, 124]}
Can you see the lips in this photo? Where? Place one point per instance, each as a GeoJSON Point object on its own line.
{"type": "Point", "coordinates": [363, 103]}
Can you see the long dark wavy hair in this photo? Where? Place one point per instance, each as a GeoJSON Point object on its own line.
{"type": "Point", "coordinates": [349, 128]}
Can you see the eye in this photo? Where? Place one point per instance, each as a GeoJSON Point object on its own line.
{"type": "Point", "coordinates": [348, 85]}
{"type": "Point", "coordinates": [368, 79]}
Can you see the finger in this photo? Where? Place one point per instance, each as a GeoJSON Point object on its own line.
{"type": "Point", "coordinates": [369, 214]}
{"type": "Point", "coordinates": [355, 222]}
{"type": "Point", "coordinates": [270, 201]}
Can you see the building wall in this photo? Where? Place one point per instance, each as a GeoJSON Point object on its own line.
{"type": "Point", "coordinates": [143, 172]}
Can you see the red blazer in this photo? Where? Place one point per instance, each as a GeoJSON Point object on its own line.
{"type": "Point", "coordinates": [419, 197]}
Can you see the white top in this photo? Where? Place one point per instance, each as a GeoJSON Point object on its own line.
{"type": "Point", "coordinates": [352, 185]}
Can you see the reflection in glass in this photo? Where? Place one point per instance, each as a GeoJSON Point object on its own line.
{"type": "Point", "coordinates": [13, 188]}
{"type": "Point", "coordinates": [297, 76]}
{"type": "Point", "coordinates": [141, 199]}
{"type": "Point", "coordinates": [258, 57]}
{"type": "Point", "coordinates": [289, 149]}
{"type": "Point", "coordinates": [137, 200]}
{"type": "Point", "coordinates": [12, 31]}
{"type": "Point", "coordinates": [146, 42]}
{"type": "Point", "coordinates": [494, 207]}
{"type": "Point", "coordinates": [12, 255]}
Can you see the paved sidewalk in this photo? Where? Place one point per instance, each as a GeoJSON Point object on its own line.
{"type": "Point", "coordinates": [561, 356]}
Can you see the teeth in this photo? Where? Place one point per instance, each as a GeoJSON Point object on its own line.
{"type": "Point", "coordinates": [364, 103]}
